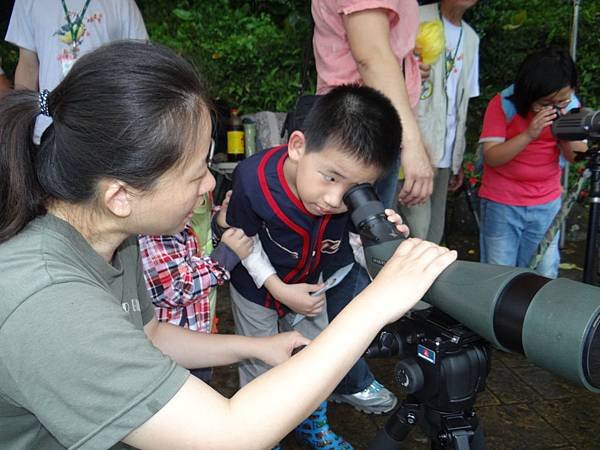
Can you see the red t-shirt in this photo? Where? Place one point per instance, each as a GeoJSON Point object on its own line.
{"type": "Point", "coordinates": [530, 178]}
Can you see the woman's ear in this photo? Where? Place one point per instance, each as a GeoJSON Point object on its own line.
{"type": "Point", "coordinates": [296, 145]}
{"type": "Point", "coordinates": [116, 198]}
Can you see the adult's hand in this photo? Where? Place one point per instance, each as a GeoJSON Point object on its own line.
{"type": "Point", "coordinates": [418, 175]}
{"type": "Point", "coordinates": [456, 181]}
{"type": "Point", "coordinates": [279, 348]}
{"type": "Point", "coordinates": [407, 276]}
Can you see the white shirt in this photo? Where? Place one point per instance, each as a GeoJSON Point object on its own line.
{"type": "Point", "coordinates": [454, 62]}
{"type": "Point", "coordinates": [41, 27]}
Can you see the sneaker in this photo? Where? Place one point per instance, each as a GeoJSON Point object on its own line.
{"type": "Point", "coordinates": [375, 399]}
{"type": "Point", "coordinates": [315, 432]}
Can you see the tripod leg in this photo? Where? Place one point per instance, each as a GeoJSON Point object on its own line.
{"type": "Point", "coordinates": [478, 440]}
{"type": "Point", "coordinates": [591, 250]}
{"type": "Point", "coordinates": [395, 431]}
{"type": "Point", "coordinates": [470, 203]}
{"type": "Point", "coordinates": [465, 440]}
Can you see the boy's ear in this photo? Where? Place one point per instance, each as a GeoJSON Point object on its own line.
{"type": "Point", "coordinates": [116, 198]}
{"type": "Point", "coordinates": [296, 145]}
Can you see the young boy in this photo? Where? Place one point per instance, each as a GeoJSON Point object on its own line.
{"type": "Point", "coordinates": [289, 199]}
{"type": "Point", "coordinates": [181, 277]}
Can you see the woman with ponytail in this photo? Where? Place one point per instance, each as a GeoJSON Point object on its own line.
{"type": "Point", "coordinates": [83, 362]}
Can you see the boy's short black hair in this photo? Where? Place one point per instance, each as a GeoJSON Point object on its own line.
{"type": "Point", "coordinates": [357, 120]}
{"type": "Point", "coordinates": [542, 73]}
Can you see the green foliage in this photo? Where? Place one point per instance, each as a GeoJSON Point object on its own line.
{"type": "Point", "coordinates": [250, 51]}
{"type": "Point", "coordinates": [250, 59]}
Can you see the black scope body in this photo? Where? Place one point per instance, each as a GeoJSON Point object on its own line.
{"type": "Point", "coordinates": [577, 125]}
{"type": "Point", "coordinates": [554, 323]}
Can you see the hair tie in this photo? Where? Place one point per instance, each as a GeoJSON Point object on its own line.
{"type": "Point", "coordinates": [43, 98]}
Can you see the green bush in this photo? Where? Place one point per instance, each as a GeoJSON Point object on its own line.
{"type": "Point", "coordinates": [251, 59]}
{"type": "Point", "coordinates": [250, 52]}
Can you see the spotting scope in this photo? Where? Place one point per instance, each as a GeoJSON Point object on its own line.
{"type": "Point", "coordinates": [577, 125]}
{"type": "Point", "coordinates": [555, 323]}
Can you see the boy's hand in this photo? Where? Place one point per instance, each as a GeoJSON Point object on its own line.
{"type": "Point", "coordinates": [395, 218]}
{"type": "Point", "coordinates": [222, 214]}
{"type": "Point", "coordinates": [297, 296]}
{"type": "Point", "coordinates": [279, 348]}
{"type": "Point", "coordinates": [236, 240]}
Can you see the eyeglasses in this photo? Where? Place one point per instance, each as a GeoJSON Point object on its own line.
{"type": "Point", "coordinates": [211, 153]}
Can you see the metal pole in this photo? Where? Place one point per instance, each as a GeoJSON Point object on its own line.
{"type": "Point", "coordinates": [574, 31]}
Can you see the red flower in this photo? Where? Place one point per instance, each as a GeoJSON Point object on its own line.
{"type": "Point", "coordinates": [583, 194]}
{"type": "Point", "coordinates": [473, 181]}
{"type": "Point", "coordinates": [470, 167]}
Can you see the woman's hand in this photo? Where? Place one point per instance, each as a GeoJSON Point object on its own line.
{"type": "Point", "coordinates": [279, 348]}
{"type": "Point", "coordinates": [236, 240]}
{"type": "Point", "coordinates": [407, 275]}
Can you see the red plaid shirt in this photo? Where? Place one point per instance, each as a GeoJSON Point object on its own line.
{"type": "Point", "coordinates": [179, 278]}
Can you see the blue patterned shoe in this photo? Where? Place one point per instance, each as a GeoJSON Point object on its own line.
{"type": "Point", "coordinates": [315, 432]}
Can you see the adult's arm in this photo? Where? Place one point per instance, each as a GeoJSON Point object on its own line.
{"type": "Point", "coordinates": [193, 350]}
{"type": "Point", "coordinates": [266, 409]}
{"type": "Point", "coordinates": [27, 71]}
{"type": "Point", "coordinates": [369, 38]}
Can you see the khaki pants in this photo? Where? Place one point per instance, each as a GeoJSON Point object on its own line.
{"type": "Point", "coordinates": [427, 221]}
{"type": "Point", "coordinates": [256, 320]}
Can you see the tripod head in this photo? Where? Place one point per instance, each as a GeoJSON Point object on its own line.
{"type": "Point", "coordinates": [424, 342]}
{"type": "Point", "coordinates": [442, 366]}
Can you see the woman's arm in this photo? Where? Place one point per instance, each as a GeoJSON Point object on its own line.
{"type": "Point", "coordinates": [266, 409]}
{"type": "Point", "coordinates": [27, 71]}
{"type": "Point", "coordinates": [193, 350]}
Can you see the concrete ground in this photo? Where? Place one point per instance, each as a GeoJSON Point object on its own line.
{"type": "Point", "coordinates": [522, 406]}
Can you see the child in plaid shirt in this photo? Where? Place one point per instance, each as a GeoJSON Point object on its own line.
{"type": "Point", "coordinates": [180, 278]}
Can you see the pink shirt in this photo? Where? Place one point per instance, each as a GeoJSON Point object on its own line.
{"type": "Point", "coordinates": [334, 61]}
{"type": "Point", "coordinates": [530, 178]}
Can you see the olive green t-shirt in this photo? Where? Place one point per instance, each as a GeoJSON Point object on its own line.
{"type": "Point", "coordinates": [76, 369]}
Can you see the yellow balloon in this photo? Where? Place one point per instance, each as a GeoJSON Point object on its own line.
{"type": "Point", "coordinates": [430, 41]}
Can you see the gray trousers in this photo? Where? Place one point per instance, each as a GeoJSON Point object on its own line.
{"type": "Point", "coordinates": [427, 221]}
{"type": "Point", "coordinates": [255, 320]}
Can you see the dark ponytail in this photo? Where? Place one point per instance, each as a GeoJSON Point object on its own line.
{"type": "Point", "coordinates": [21, 197]}
{"type": "Point", "coordinates": [128, 110]}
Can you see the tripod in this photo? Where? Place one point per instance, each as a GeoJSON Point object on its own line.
{"type": "Point", "coordinates": [590, 266]}
{"type": "Point", "coordinates": [591, 253]}
{"type": "Point", "coordinates": [444, 366]}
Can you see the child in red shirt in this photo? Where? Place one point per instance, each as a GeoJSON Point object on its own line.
{"type": "Point", "coordinates": [521, 190]}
